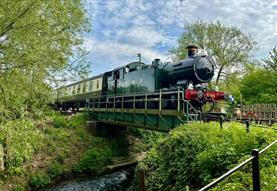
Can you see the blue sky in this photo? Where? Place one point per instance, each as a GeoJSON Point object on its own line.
{"type": "Point", "coordinates": [123, 28]}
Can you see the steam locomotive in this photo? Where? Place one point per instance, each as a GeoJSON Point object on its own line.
{"type": "Point", "coordinates": [190, 76]}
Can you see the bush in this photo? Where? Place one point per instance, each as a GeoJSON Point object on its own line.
{"type": "Point", "coordinates": [55, 170]}
{"type": "Point", "coordinates": [22, 140]}
{"type": "Point", "coordinates": [59, 121]}
{"type": "Point", "coordinates": [94, 160]}
{"type": "Point", "coordinates": [39, 181]}
{"type": "Point", "coordinates": [73, 121]}
{"type": "Point", "coordinates": [192, 155]}
{"type": "Point", "coordinates": [78, 120]}
{"type": "Point", "coordinates": [15, 171]}
{"type": "Point", "coordinates": [19, 188]}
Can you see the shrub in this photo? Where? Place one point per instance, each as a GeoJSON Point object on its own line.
{"type": "Point", "coordinates": [15, 171]}
{"type": "Point", "coordinates": [94, 160]}
{"type": "Point", "coordinates": [19, 188]}
{"type": "Point", "coordinates": [22, 140]}
{"type": "Point", "coordinates": [39, 181]}
{"type": "Point", "coordinates": [195, 154]}
{"type": "Point", "coordinates": [78, 120]}
{"type": "Point", "coordinates": [59, 121]}
{"type": "Point", "coordinates": [55, 170]}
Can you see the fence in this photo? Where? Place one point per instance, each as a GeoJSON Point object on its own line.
{"type": "Point", "coordinates": [255, 170]}
{"type": "Point", "coordinates": [260, 112]}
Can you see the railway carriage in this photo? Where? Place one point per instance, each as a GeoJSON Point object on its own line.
{"type": "Point", "coordinates": [75, 95]}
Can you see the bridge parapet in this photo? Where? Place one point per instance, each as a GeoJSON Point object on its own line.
{"type": "Point", "coordinates": [161, 111]}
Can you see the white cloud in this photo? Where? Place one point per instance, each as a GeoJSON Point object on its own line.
{"type": "Point", "coordinates": [122, 28]}
{"type": "Point", "coordinates": [145, 37]}
{"type": "Point", "coordinates": [107, 55]}
{"type": "Point", "coordinates": [113, 5]}
{"type": "Point", "coordinates": [259, 18]}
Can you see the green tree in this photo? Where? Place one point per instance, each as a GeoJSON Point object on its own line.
{"type": "Point", "coordinates": [38, 39]}
{"type": "Point", "coordinates": [228, 45]}
{"type": "Point", "coordinates": [259, 86]}
{"type": "Point", "coordinates": [271, 61]}
{"type": "Point", "coordinates": [230, 85]}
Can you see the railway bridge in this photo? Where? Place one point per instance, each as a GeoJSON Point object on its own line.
{"type": "Point", "coordinates": [161, 111]}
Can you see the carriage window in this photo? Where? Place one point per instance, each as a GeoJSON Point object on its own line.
{"type": "Point", "coordinates": [84, 87]}
{"type": "Point", "coordinates": [59, 92]}
{"type": "Point", "coordinates": [81, 88]}
{"type": "Point", "coordinates": [90, 85]}
{"type": "Point", "coordinates": [78, 88]}
{"type": "Point", "coordinates": [73, 91]}
{"type": "Point", "coordinates": [69, 90]}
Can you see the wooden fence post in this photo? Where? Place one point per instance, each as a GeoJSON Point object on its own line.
{"type": "Point", "coordinates": [142, 180]}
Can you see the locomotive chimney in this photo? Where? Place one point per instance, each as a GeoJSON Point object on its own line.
{"type": "Point", "coordinates": [156, 62]}
{"type": "Point", "coordinates": [192, 50]}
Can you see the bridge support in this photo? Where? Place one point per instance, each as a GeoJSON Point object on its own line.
{"type": "Point", "coordinates": [104, 130]}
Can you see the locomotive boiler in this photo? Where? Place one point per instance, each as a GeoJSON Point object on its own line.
{"type": "Point", "coordinates": [197, 70]}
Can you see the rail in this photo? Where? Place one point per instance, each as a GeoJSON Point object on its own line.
{"type": "Point", "coordinates": [255, 170]}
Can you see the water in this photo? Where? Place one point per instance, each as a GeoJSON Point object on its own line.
{"type": "Point", "coordinates": [116, 181]}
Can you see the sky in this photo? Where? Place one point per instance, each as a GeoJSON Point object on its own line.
{"type": "Point", "coordinates": [123, 28]}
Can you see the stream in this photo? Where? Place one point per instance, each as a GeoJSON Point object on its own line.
{"type": "Point", "coordinates": [117, 181]}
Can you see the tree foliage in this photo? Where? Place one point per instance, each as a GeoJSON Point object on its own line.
{"type": "Point", "coordinates": [37, 40]}
{"type": "Point", "coordinates": [271, 61]}
{"type": "Point", "coordinates": [259, 86]}
{"type": "Point", "coordinates": [230, 84]}
{"type": "Point", "coordinates": [227, 44]}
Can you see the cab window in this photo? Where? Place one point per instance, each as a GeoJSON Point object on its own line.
{"type": "Point", "coordinates": [116, 75]}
